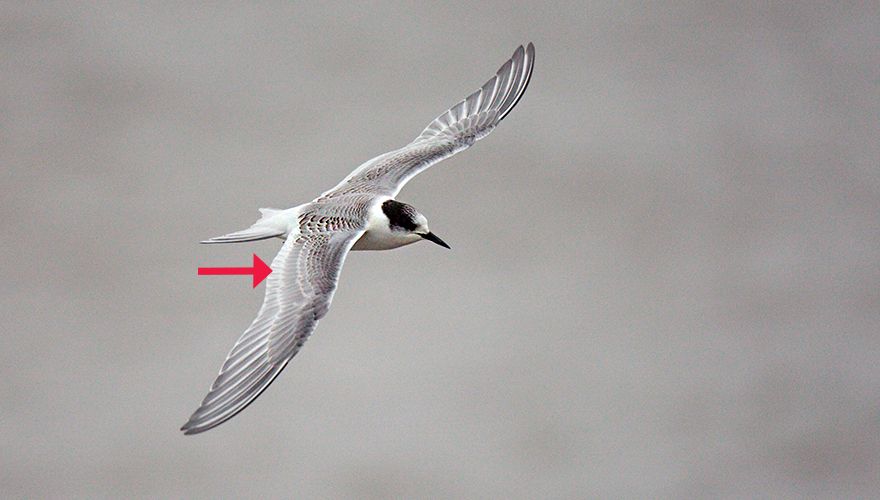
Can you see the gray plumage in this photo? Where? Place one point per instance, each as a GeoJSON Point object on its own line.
{"type": "Point", "coordinates": [320, 234]}
{"type": "Point", "coordinates": [455, 130]}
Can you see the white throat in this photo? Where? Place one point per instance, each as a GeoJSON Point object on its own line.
{"type": "Point", "coordinates": [379, 235]}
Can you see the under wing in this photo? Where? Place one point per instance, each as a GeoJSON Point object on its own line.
{"type": "Point", "coordinates": [455, 130]}
{"type": "Point", "coordinates": [298, 294]}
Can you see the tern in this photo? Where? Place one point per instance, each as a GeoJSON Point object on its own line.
{"type": "Point", "coordinates": [359, 213]}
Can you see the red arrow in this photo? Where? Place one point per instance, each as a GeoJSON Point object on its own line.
{"type": "Point", "coordinates": [260, 271]}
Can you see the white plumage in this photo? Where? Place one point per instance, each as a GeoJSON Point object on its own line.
{"type": "Point", "coordinates": [359, 213]}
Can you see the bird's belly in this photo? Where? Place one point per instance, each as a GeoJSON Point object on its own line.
{"type": "Point", "coordinates": [383, 240]}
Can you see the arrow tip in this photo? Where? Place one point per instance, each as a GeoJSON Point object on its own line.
{"type": "Point", "coordinates": [261, 270]}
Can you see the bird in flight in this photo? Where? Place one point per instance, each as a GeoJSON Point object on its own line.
{"type": "Point", "coordinates": [359, 213]}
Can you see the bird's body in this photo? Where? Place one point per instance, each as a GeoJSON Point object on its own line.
{"type": "Point", "coordinates": [360, 213]}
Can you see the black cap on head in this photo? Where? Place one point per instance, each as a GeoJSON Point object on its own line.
{"type": "Point", "coordinates": [400, 215]}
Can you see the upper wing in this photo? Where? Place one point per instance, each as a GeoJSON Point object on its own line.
{"type": "Point", "coordinates": [298, 294]}
{"type": "Point", "coordinates": [455, 130]}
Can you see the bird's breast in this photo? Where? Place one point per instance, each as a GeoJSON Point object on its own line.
{"type": "Point", "coordinates": [378, 239]}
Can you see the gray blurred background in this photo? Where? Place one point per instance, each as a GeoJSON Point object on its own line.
{"type": "Point", "coordinates": [664, 275]}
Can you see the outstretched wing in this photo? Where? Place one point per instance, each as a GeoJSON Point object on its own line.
{"type": "Point", "coordinates": [298, 294]}
{"type": "Point", "coordinates": [455, 130]}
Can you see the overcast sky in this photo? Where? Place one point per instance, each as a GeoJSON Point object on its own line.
{"type": "Point", "coordinates": [664, 277]}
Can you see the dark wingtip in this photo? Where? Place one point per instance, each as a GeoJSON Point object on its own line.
{"type": "Point", "coordinates": [189, 430]}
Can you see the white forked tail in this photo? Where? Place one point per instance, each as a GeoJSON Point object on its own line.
{"type": "Point", "coordinates": [269, 226]}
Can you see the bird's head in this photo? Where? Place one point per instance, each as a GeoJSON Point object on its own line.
{"type": "Point", "coordinates": [406, 219]}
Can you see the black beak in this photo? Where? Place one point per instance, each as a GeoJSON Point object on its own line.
{"type": "Point", "coordinates": [433, 237]}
